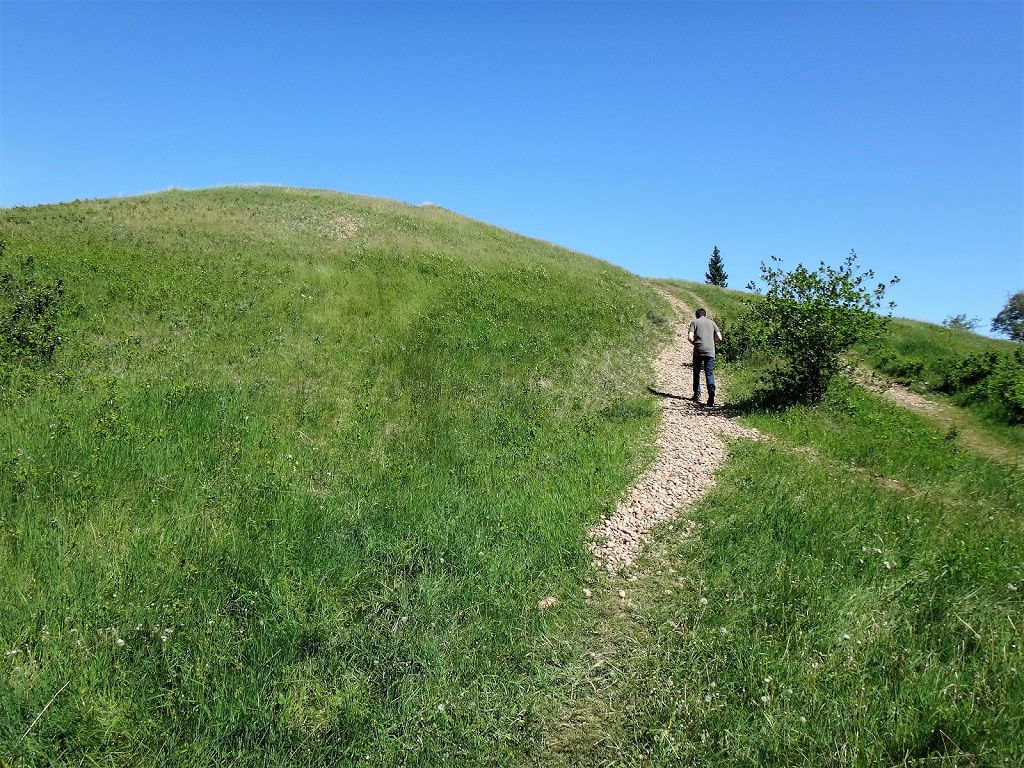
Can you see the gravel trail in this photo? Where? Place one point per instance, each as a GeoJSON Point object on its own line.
{"type": "Point", "coordinates": [689, 451]}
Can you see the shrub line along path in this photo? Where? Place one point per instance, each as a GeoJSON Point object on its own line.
{"type": "Point", "coordinates": [689, 452]}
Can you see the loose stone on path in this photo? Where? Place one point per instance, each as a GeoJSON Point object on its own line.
{"type": "Point", "coordinates": [689, 452]}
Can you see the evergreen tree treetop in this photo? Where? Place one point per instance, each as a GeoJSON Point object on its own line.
{"type": "Point", "coordinates": [716, 274]}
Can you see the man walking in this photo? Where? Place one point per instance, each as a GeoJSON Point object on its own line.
{"type": "Point", "coordinates": [703, 333]}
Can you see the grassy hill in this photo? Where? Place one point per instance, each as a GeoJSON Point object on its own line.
{"type": "Point", "coordinates": [298, 475]}
{"type": "Point", "coordinates": [852, 596]}
{"type": "Point", "coordinates": [303, 467]}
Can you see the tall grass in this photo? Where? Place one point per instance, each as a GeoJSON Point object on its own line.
{"type": "Point", "coordinates": [302, 470]}
{"type": "Point", "coordinates": [305, 464]}
{"type": "Point", "coordinates": [852, 596]}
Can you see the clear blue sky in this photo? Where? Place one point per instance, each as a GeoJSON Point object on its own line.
{"type": "Point", "coordinates": [640, 133]}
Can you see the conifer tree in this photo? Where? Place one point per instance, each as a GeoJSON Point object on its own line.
{"type": "Point", "coordinates": [716, 274]}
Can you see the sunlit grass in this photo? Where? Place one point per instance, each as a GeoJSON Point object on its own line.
{"type": "Point", "coordinates": [307, 464]}
{"type": "Point", "coordinates": [853, 596]}
{"type": "Point", "coordinates": [302, 471]}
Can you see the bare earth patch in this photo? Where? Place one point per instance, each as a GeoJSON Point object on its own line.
{"type": "Point", "coordinates": [344, 226]}
{"type": "Point", "coordinates": [946, 416]}
{"type": "Point", "coordinates": [895, 393]}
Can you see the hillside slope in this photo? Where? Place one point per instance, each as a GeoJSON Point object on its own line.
{"type": "Point", "coordinates": [849, 593]}
{"type": "Point", "coordinates": [298, 474]}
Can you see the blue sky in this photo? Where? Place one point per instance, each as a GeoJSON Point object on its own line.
{"type": "Point", "coordinates": [641, 133]}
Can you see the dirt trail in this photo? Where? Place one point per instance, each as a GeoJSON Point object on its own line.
{"type": "Point", "coordinates": [946, 416]}
{"type": "Point", "coordinates": [690, 450]}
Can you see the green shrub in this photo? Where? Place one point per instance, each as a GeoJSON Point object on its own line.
{"type": "Point", "coordinates": [29, 312]}
{"type": "Point", "coordinates": [809, 319]}
{"type": "Point", "coordinates": [968, 372]}
{"type": "Point", "coordinates": [1005, 386]}
{"type": "Point", "coordinates": [994, 380]}
{"type": "Point", "coordinates": [903, 368]}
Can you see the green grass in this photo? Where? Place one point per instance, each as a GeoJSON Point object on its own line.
{"type": "Point", "coordinates": [305, 464]}
{"type": "Point", "coordinates": [853, 596]}
{"type": "Point", "coordinates": [725, 303]}
{"type": "Point", "coordinates": [301, 472]}
{"type": "Point", "coordinates": [931, 345]}
{"type": "Point", "coordinates": [983, 375]}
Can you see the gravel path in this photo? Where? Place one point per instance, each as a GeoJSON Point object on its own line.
{"type": "Point", "coordinates": [690, 450]}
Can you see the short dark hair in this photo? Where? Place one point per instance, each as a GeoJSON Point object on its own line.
{"type": "Point", "coordinates": [701, 312]}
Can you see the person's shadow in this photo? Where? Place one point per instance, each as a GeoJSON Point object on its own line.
{"type": "Point", "coordinates": [728, 411]}
{"type": "Point", "coordinates": [669, 395]}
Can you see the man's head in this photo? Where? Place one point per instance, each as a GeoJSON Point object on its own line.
{"type": "Point", "coordinates": [701, 312]}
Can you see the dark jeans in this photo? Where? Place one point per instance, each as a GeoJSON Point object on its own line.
{"type": "Point", "coordinates": [708, 364]}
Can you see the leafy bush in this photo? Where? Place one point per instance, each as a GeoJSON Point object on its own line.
{"type": "Point", "coordinates": [29, 313]}
{"type": "Point", "coordinates": [962, 322]}
{"type": "Point", "coordinates": [1006, 386]}
{"type": "Point", "coordinates": [992, 378]}
{"type": "Point", "coordinates": [738, 341]}
{"type": "Point", "coordinates": [1010, 319]}
{"type": "Point", "coordinates": [969, 372]}
{"type": "Point", "coordinates": [809, 318]}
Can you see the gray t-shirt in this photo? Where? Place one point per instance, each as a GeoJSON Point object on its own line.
{"type": "Point", "coordinates": [703, 330]}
